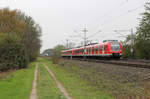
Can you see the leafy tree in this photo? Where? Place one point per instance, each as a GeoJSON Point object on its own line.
{"type": "Point", "coordinates": [17, 24]}
{"type": "Point", "coordinates": [12, 52]}
{"type": "Point", "coordinates": [143, 34]}
{"type": "Point", "coordinates": [9, 23]}
{"type": "Point", "coordinates": [57, 50]}
{"type": "Point", "coordinates": [31, 38]}
{"type": "Point", "coordinates": [127, 46]}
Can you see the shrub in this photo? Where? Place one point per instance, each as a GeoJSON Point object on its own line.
{"type": "Point", "coordinates": [55, 60]}
{"type": "Point", "coordinates": [12, 53]}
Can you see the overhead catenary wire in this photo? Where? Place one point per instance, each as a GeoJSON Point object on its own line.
{"type": "Point", "coordinates": [116, 18]}
{"type": "Point", "coordinates": [106, 14]}
{"type": "Point", "coordinates": [84, 37]}
{"type": "Point", "coordinates": [121, 15]}
{"type": "Point", "coordinates": [94, 34]}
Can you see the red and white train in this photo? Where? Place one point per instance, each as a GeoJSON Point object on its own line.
{"type": "Point", "coordinates": [109, 48]}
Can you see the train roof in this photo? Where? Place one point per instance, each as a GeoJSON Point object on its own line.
{"type": "Point", "coordinates": [110, 41]}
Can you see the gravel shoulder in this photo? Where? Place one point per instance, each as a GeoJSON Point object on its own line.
{"type": "Point", "coordinates": [113, 78]}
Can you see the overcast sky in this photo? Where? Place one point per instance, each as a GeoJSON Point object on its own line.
{"type": "Point", "coordinates": [60, 18]}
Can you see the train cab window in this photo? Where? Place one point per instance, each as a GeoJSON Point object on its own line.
{"type": "Point", "coordinates": [115, 47]}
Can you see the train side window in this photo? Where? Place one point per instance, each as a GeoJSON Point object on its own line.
{"type": "Point", "coordinates": [105, 47]}
{"type": "Point", "coordinates": [95, 49]}
{"type": "Point", "coordinates": [98, 48]}
{"type": "Point", "coordinates": [101, 48]}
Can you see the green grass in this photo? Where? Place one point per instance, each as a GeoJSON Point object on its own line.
{"type": "Point", "coordinates": [46, 87]}
{"type": "Point", "coordinates": [18, 84]}
{"type": "Point", "coordinates": [76, 87]}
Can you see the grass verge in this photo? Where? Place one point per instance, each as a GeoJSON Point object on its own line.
{"type": "Point", "coordinates": [46, 87]}
{"type": "Point", "coordinates": [18, 84]}
{"type": "Point", "coordinates": [76, 87]}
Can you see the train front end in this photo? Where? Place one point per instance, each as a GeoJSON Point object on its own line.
{"type": "Point", "coordinates": [116, 49]}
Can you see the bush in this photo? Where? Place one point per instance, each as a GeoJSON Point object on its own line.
{"type": "Point", "coordinates": [55, 60]}
{"type": "Point", "coordinates": [12, 53]}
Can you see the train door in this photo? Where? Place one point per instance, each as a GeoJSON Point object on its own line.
{"type": "Point", "coordinates": [86, 50]}
{"type": "Point", "coordinates": [94, 50]}
{"type": "Point", "coordinates": [98, 49]}
{"type": "Point", "coordinates": [103, 49]}
{"type": "Point", "coordinates": [89, 50]}
{"type": "Point", "coordinates": [95, 47]}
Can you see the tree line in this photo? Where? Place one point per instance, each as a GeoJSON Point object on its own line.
{"type": "Point", "coordinates": [141, 46]}
{"type": "Point", "coordinates": [19, 39]}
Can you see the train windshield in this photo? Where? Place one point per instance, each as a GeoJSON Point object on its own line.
{"type": "Point", "coordinates": [115, 47]}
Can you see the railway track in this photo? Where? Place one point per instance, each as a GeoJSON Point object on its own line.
{"type": "Point", "coordinates": [121, 62]}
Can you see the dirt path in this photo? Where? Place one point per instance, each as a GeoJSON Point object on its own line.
{"type": "Point", "coordinates": [33, 94]}
{"type": "Point", "coordinates": [59, 85]}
